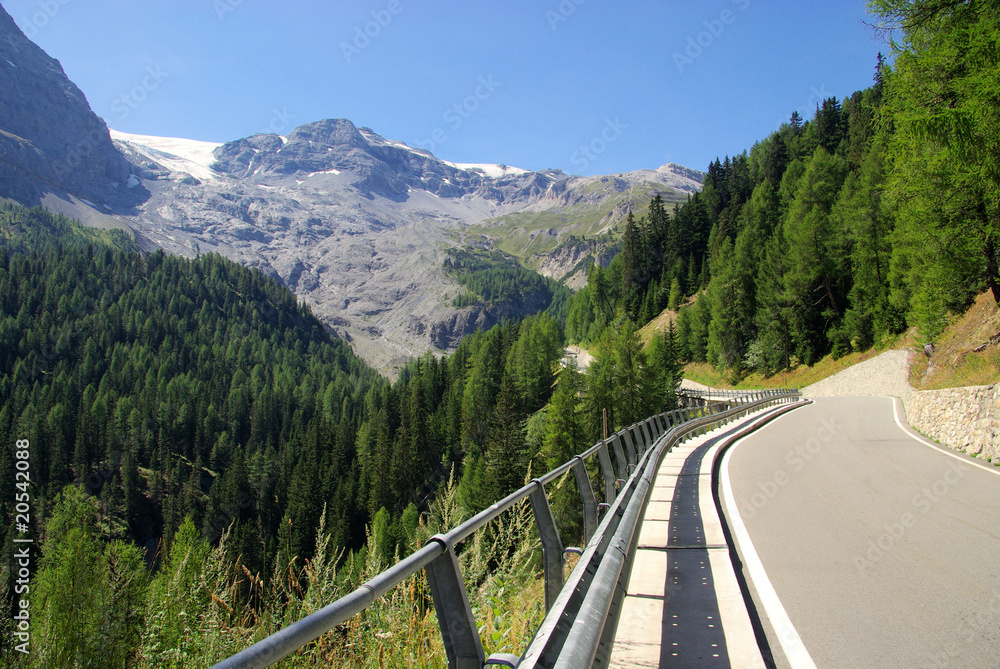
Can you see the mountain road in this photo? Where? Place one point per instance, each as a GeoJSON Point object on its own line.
{"type": "Point", "coordinates": [880, 548]}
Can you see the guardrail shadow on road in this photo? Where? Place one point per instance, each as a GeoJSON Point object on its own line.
{"type": "Point", "coordinates": [687, 531]}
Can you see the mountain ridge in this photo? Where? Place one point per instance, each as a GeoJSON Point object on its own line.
{"type": "Point", "coordinates": [358, 224]}
{"type": "Point", "coordinates": [355, 223]}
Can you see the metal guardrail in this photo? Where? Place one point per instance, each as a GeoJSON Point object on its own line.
{"type": "Point", "coordinates": [578, 631]}
{"type": "Point", "coordinates": [581, 614]}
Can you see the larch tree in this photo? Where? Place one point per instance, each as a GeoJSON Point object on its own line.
{"type": "Point", "coordinates": [944, 155]}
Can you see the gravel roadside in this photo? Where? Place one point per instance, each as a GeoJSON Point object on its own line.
{"type": "Point", "coordinates": [886, 374]}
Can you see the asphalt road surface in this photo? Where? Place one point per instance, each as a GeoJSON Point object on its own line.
{"type": "Point", "coordinates": [882, 550]}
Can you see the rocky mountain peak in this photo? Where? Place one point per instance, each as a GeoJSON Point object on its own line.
{"type": "Point", "coordinates": [330, 133]}
{"type": "Point", "coordinates": [684, 173]}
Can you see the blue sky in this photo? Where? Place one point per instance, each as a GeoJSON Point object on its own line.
{"type": "Point", "coordinates": [588, 86]}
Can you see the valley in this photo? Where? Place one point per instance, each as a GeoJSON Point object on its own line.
{"type": "Point", "coordinates": [357, 225]}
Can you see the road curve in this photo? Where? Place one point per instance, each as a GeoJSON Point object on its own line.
{"type": "Point", "coordinates": [883, 551]}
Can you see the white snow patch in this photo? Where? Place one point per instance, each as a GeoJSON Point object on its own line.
{"type": "Point", "coordinates": [378, 140]}
{"type": "Point", "coordinates": [489, 169]}
{"type": "Point", "coordinates": [398, 145]}
{"type": "Point", "coordinates": [176, 154]}
{"type": "Point", "coordinates": [11, 64]}
{"type": "Point", "coordinates": [133, 181]}
{"type": "Point", "coordinates": [312, 174]}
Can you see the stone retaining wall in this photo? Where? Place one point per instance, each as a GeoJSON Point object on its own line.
{"type": "Point", "coordinates": [967, 419]}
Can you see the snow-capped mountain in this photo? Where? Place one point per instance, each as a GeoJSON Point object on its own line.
{"type": "Point", "coordinates": [358, 224]}
{"type": "Point", "coordinates": [354, 223]}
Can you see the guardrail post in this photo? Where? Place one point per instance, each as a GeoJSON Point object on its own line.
{"type": "Point", "coordinates": [553, 558]}
{"type": "Point", "coordinates": [642, 439]}
{"type": "Point", "coordinates": [626, 435]}
{"type": "Point", "coordinates": [609, 472]}
{"type": "Point", "coordinates": [647, 428]}
{"type": "Point", "coordinates": [454, 613]}
{"type": "Point", "coordinates": [623, 468]}
{"type": "Point", "coordinates": [655, 427]}
{"type": "Point", "coordinates": [709, 412]}
{"type": "Point", "coordinates": [588, 498]}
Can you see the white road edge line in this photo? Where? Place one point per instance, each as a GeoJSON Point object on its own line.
{"type": "Point", "coordinates": [795, 651]}
{"type": "Point", "coordinates": [895, 414]}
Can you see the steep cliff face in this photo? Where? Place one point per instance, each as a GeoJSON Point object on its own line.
{"type": "Point", "coordinates": [569, 261]}
{"type": "Point", "coordinates": [47, 128]}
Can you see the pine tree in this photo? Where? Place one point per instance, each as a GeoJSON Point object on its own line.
{"type": "Point", "coordinates": [818, 277]}
{"type": "Point", "coordinates": [630, 395]}
{"type": "Point", "coordinates": [829, 127]}
{"type": "Point", "coordinates": [505, 457]}
{"type": "Point", "coordinates": [564, 429]}
{"type": "Point", "coordinates": [481, 388]}
{"type": "Point", "coordinates": [796, 123]}
{"type": "Point", "coordinates": [774, 310]}
{"type": "Point", "coordinates": [673, 301]}
{"type": "Point", "coordinates": [862, 210]}
{"type": "Point", "coordinates": [632, 266]}
{"type": "Point", "coordinates": [177, 595]}
{"type": "Point", "coordinates": [67, 631]}
{"type": "Point", "coordinates": [666, 371]}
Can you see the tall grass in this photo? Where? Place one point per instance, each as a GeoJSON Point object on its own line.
{"type": "Point", "coordinates": [500, 564]}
